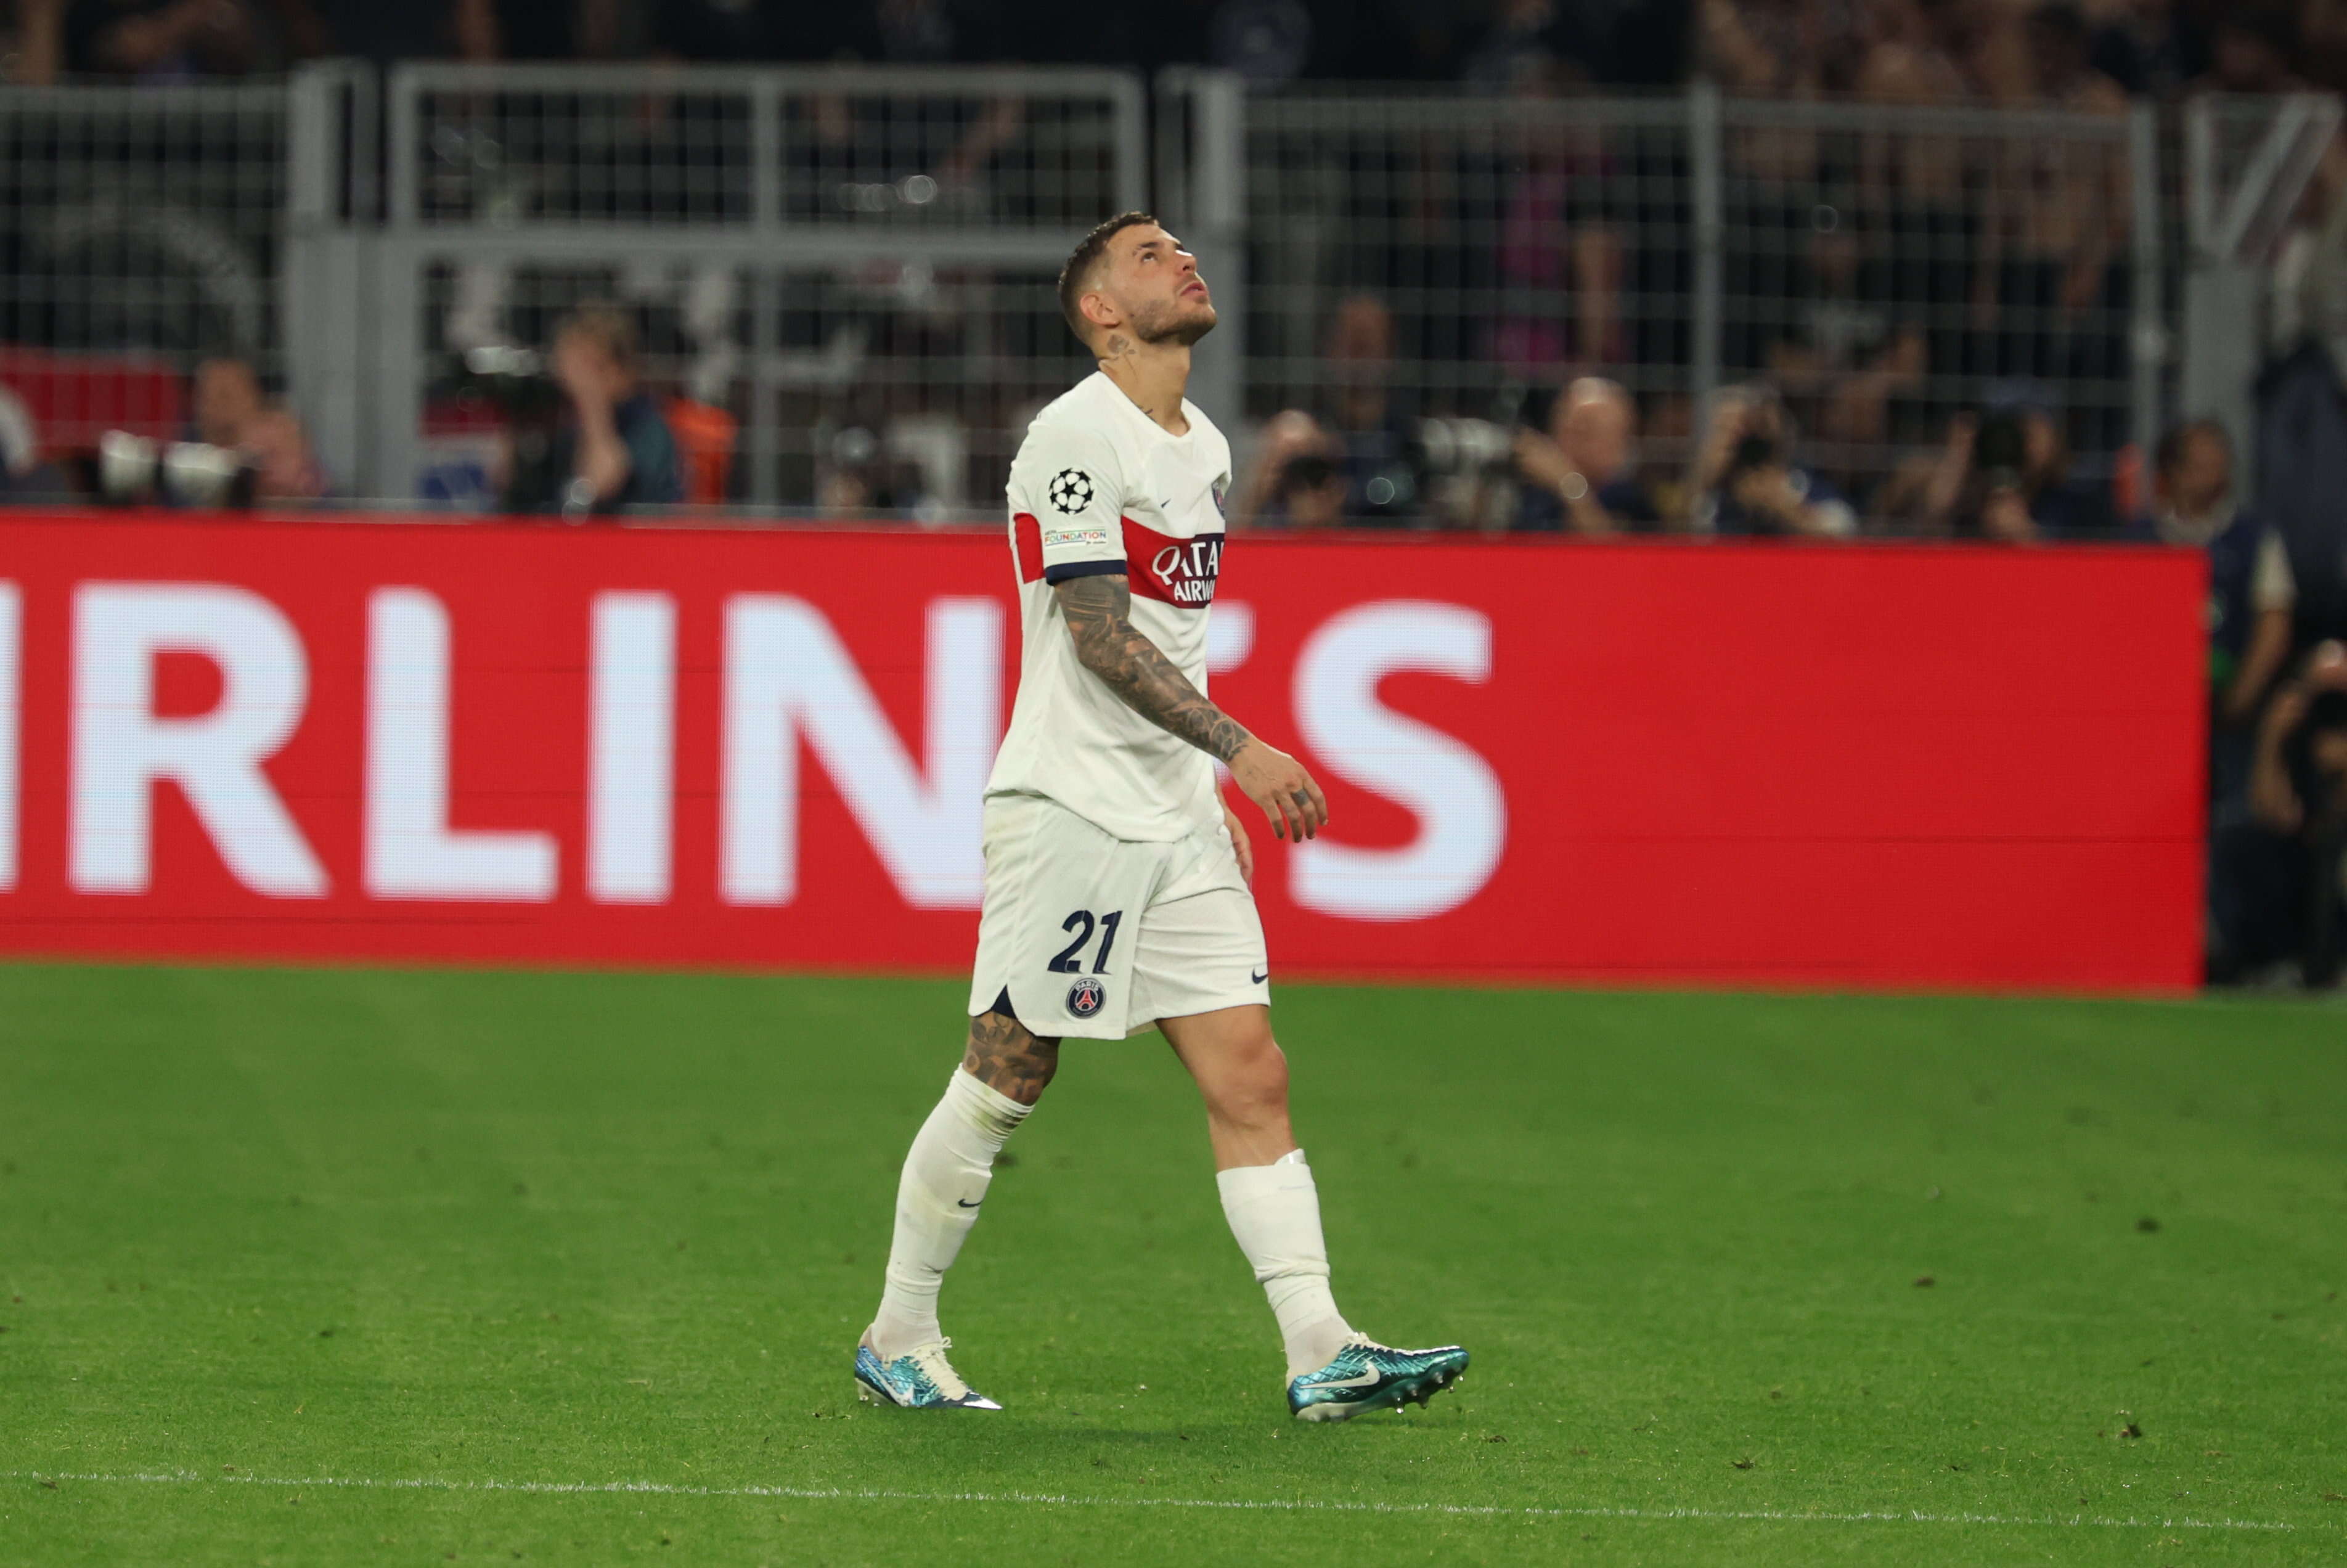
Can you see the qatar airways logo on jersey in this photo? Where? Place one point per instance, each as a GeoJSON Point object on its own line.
{"type": "Point", "coordinates": [1174, 571]}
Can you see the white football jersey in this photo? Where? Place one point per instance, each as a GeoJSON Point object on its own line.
{"type": "Point", "coordinates": [1100, 486]}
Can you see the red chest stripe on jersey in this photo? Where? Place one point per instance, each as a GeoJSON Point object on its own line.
{"type": "Point", "coordinates": [1026, 536]}
{"type": "Point", "coordinates": [1179, 572]}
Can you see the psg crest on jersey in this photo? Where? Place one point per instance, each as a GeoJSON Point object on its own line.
{"type": "Point", "coordinates": [1085, 996]}
{"type": "Point", "coordinates": [1071, 490]}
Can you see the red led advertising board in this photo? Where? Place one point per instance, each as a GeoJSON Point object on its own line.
{"type": "Point", "coordinates": [1546, 760]}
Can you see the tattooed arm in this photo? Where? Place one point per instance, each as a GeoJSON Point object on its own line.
{"type": "Point", "coordinates": [1098, 609]}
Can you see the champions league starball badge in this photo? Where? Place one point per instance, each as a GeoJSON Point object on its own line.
{"type": "Point", "coordinates": [1085, 996]}
{"type": "Point", "coordinates": [1071, 490]}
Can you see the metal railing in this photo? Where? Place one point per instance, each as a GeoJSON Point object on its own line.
{"type": "Point", "coordinates": [855, 264]}
{"type": "Point", "coordinates": [1883, 268]}
{"type": "Point", "coordinates": [139, 231]}
{"type": "Point", "coordinates": [2248, 162]}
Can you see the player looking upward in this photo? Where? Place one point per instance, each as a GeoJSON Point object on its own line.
{"type": "Point", "coordinates": [1117, 878]}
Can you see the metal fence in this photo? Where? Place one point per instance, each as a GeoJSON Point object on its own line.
{"type": "Point", "coordinates": [1448, 257]}
{"type": "Point", "coordinates": [2260, 267]}
{"type": "Point", "coordinates": [139, 230]}
{"type": "Point", "coordinates": [848, 269]}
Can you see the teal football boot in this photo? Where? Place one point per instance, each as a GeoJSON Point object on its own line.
{"type": "Point", "coordinates": [1367, 1376]}
{"type": "Point", "coordinates": [923, 1380]}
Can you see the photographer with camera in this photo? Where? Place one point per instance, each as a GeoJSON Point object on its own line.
{"type": "Point", "coordinates": [2277, 879]}
{"type": "Point", "coordinates": [1581, 476]}
{"type": "Point", "coordinates": [1292, 443]}
{"type": "Point", "coordinates": [234, 413]}
{"type": "Point", "coordinates": [613, 449]}
{"type": "Point", "coordinates": [2003, 476]}
{"type": "Point", "coordinates": [1747, 481]}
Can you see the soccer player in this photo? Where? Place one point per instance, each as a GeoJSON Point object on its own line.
{"type": "Point", "coordinates": [1117, 880]}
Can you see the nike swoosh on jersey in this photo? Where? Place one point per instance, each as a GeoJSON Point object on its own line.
{"type": "Point", "coordinates": [967, 1203]}
{"type": "Point", "coordinates": [1260, 976]}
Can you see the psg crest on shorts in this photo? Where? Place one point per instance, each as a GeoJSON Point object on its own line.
{"type": "Point", "coordinates": [1085, 996]}
{"type": "Point", "coordinates": [1071, 490]}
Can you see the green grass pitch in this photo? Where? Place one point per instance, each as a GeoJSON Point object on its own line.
{"type": "Point", "coordinates": [389, 1267]}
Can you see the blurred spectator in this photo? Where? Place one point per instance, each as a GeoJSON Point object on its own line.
{"type": "Point", "coordinates": [160, 40]}
{"type": "Point", "coordinates": [2058, 208]}
{"type": "Point", "coordinates": [1362, 425]}
{"type": "Point", "coordinates": [2151, 47]}
{"type": "Point", "coordinates": [369, 30]}
{"type": "Point", "coordinates": [861, 475]}
{"type": "Point", "coordinates": [1778, 49]}
{"type": "Point", "coordinates": [537, 29]}
{"type": "Point", "coordinates": [2255, 49]}
{"type": "Point", "coordinates": [1581, 474]}
{"type": "Point", "coordinates": [615, 449]}
{"type": "Point", "coordinates": [1640, 43]}
{"type": "Point", "coordinates": [2022, 465]}
{"type": "Point", "coordinates": [1312, 493]}
{"type": "Point", "coordinates": [722, 32]}
{"type": "Point", "coordinates": [862, 141]}
{"type": "Point", "coordinates": [2275, 885]}
{"type": "Point", "coordinates": [230, 410]}
{"type": "Point", "coordinates": [2303, 473]}
{"type": "Point", "coordinates": [2001, 474]}
{"type": "Point", "coordinates": [1521, 48]}
{"type": "Point", "coordinates": [1557, 247]}
{"type": "Point", "coordinates": [2251, 592]}
{"type": "Point", "coordinates": [1847, 355]}
{"type": "Point", "coordinates": [1381, 460]}
{"type": "Point", "coordinates": [1293, 452]}
{"type": "Point", "coordinates": [1746, 479]}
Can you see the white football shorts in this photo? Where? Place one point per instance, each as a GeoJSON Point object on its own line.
{"type": "Point", "coordinates": [1099, 937]}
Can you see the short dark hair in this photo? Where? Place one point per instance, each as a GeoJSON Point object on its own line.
{"type": "Point", "coordinates": [2169, 452]}
{"type": "Point", "coordinates": [1077, 274]}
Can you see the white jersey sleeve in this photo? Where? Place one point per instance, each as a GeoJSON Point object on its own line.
{"type": "Point", "coordinates": [1071, 482]}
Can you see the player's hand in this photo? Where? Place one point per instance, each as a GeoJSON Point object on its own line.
{"type": "Point", "coordinates": [1278, 783]}
{"type": "Point", "coordinates": [1241, 844]}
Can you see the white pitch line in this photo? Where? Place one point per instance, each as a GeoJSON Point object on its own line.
{"type": "Point", "coordinates": [1060, 1500]}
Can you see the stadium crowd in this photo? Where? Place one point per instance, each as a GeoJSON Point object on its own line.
{"type": "Point", "coordinates": [1939, 51]}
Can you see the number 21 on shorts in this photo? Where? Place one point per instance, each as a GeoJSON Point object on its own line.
{"type": "Point", "coordinates": [1080, 922]}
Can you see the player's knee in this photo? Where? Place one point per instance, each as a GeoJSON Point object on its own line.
{"type": "Point", "coordinates": [1007, 1058]}
{"type": "Point", "coordinates": [1253, 1090]}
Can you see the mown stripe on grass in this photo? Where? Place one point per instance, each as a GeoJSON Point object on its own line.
{"type": "Point", "coordinates": [1062, 1500]}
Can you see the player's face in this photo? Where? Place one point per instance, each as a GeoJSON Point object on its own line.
{"type": "Point", "coordinates": [1156, 284]}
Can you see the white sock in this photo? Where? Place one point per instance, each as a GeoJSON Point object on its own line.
{"type": "Point", "coordinates": [944, 1180]}
{"type": "Point", "coordinates": [1275, 1212]}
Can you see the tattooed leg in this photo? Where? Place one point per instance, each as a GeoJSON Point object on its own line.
{"type": "Point", "coordinates": [1007, 1059]}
